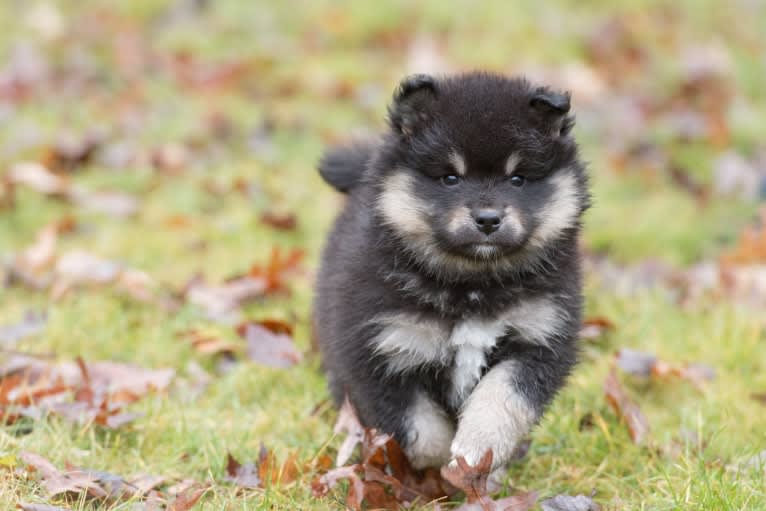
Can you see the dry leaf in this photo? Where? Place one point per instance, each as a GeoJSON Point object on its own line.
{"type": "Point", "coordinates": [593, 328]}
{"type": "Point", "coordinates": [646, 365]}
{"type": "Point", "coordinates": [281, 221]}
{"type": "Point", "coordinates": [244, 476]}
{"type": "Point", "coordinates": [569, 503]}
{"type": "Point", "coordinates": [39, 507]}
{"type": "Point", "coordinates": [268, 348]}
{"type": "Point", "coordinates": [31, 324]}
{"type": "Point", "coordinates": [348, 423]}
{"type": "Point", "coordinates": [625, 408]}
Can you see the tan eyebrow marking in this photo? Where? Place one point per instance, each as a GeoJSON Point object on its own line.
{"type": "Point", "coordinates": [458, 162]}
{"type": "Point", "coordinates": [513, 161]}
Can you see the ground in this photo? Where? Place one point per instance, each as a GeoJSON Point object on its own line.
{"type": "Point", "coordinates": [252, 92]}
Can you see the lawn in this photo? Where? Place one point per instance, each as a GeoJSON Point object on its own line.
{"type": "Point", "coordinates": [210, 115]}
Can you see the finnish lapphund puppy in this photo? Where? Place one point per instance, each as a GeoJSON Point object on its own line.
{"type": "Point", "coordinates": [449, 300]}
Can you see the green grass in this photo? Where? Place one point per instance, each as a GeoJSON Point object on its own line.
{"type": "Point", "coordinates": [303, 52]}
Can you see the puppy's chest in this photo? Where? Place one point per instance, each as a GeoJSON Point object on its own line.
{"type": "Point", "coordinates": [460, 350]}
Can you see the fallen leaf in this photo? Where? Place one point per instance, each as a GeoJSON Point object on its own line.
{"type": "Point", "coordinates": [39, 507]}
{"type": "Point", "coordinates": [39, 178]}
{"type": "Point", "coordinates": [31, 324]}
{"type": "Point", "coordinates": [275, 271]}
{"type": "Point", "coordinates": [593, 328]}
{"type": "Point", "coordinates": [70, 152]}
{"type": "Point", "coordinates": [348, 424]}
{"type": "Point", "coordinates": [268, 348]}
{"type": "Point", "coordinates": [646, 365]}
{"type": "Point", "coordinates": [171, 158]}
{"type": "Point", "coordinates": [58, 483]}
{"type": "Point", "coordinates": [244, 476]}
{"type": "Point", "coordinates": [209, 343]}
{"type": "Point", "coordinates": [222, 302]}
{"type": "Point", "coordinates": [116, 204]}
{"type": "Point", "coordinates": [760, 397]}
{"type": "Point", "coordinates": [625, 408]}
{"type": "Point", "coordinates": [569, 503]}
{"type": "Point", "coordinates": [187, 499]}
{"type": "Point", "coordinates": [472, 480]}
{"type": "Point", "coordinates": [280, 221]}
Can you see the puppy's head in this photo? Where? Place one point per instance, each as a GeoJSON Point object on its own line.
{"type": "Point", "coordinates": [479, 172]}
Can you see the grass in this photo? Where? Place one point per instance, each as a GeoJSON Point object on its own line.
{"type": "Point", "coordinates": [307, 54]}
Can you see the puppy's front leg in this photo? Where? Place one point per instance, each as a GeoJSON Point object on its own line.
{"type": "Point", "coordinates": [495, 416]}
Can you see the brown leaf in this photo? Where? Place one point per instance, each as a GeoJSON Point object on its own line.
{"type": "Point", "coordinates": [244, 476]}
{"type": "Point", "coordinates": [58, 483]}
{"type": "Point", "coordinates": [646, 365]}
{"type": "Point", "coordinates": [275, 271]}
{"type": "Point", "coordinates": [70, 152]}
{"type": "Point", "coordinates": [222, 303]}
{"type": "Point", "coordinates": [268, 348]}
{"type": "Point", "coordinates": [593, 328]}
{"type": "Point", "coordinates": [569, 503]}
{"type": "Point", "coordinates": [625, 408]}
{"type": "Point", "coordinates": [759, 396]}
{"type": "Point", "coordinates": [280, 221]}
{"type": "Point", "coordinates": [348, 423]}
{"type": "Point", "coordinates": [472, 480]}
{"type": "Point", "coordinates": [210, 343]}
{"type": "Point", "coordinates": [187, 499]}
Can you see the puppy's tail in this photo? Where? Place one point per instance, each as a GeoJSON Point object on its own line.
{"type": "Point", "coordinates": [343, 166]}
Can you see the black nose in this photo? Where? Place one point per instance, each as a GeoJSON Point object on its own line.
{"type": "Point", "coordinates": [487, 220]}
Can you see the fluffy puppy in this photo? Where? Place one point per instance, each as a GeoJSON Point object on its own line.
{"type": "Point", "coordinates": [449, 296]}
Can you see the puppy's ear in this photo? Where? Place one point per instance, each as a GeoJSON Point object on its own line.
{"type": "Point", "coordinates": [552, 109]}
{"type": "Point", "coordinates": [410, 110]}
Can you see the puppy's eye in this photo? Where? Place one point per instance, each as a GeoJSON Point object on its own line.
{"type": "Point", "coordinates": [517, 180]}
{"type": "Point", "coordinates": [450, 180]}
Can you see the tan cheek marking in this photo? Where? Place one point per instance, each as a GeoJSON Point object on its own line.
{"type": "Point", "coordinates": [458, 162]}
{"type": "Point", "coordinates": [512, 217]}
{"type": "Point", "coordinates": [560, 212]}
{"type": "Point", "coordinates": [400, 208]}
{"type": "Point", "coordinates": [513, 161]}
{"type": "Point", "coordinates": [460, 218]}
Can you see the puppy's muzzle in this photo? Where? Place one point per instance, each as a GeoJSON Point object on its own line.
{"type": "Point", "coordinates": [486, 220]}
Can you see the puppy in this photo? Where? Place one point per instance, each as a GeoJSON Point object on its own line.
{"type": "Point", "coordinates": [449, 300]}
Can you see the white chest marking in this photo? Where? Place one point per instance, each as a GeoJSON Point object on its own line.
{"type": "Point", "coordinates": [471, 339]}
{"type": "Point", "coordinates": [410, 342]}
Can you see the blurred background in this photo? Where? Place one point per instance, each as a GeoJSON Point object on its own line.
{"type": "Point", "coordinates": [155, 152]}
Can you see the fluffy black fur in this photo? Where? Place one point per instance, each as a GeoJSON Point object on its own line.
{"type": "Point", "coordinates": [430, 263]}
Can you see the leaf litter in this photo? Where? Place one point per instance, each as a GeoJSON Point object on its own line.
{"type": "Point", "coordinates": [80, 392]}
{"type": "Point", "coordinates": [385, 479]}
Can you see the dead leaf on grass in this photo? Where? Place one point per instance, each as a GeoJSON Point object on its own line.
{"type": "Point", "coordinates": [348, 424]}
{"type": "Point", "coordinates": [280, 221]}
{"type": "Point", "coordinates": [569, 503]}
{"type": "Point", "coordinates": [268, 348]}
{"type": "Point", "coordinates": [646, 365]}
{"type": "Point", "coordinates": [278, 267]}
{"type": "Point", "coordinates": [625, 408]}
{"type": "Point", "coordinates": [594, 328]}
{"type": "Point", "coordinates": [39, 507]}
{"type": "Point", "coordinates": [222, 303]}
{"type": "Point", "coordinates": [31, 324]}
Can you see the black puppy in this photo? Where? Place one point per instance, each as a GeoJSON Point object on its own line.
{"type": "Point", "coordinates": [449, 296]}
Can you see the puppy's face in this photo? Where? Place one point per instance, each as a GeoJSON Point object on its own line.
{"type": "Point", "coordinates": [481, 171]}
